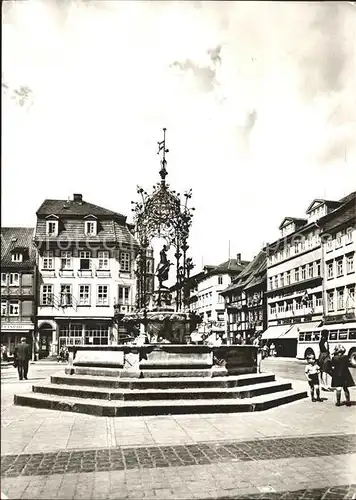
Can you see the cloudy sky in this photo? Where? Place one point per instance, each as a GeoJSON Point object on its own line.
{"type": "Point", "coordinates": [258, 99]}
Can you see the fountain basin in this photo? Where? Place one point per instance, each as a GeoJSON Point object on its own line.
{"type": "Point", "coordinates": [129, 360]}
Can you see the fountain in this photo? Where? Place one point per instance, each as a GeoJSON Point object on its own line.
{"type": "Point", "coordinates": [160, 371]}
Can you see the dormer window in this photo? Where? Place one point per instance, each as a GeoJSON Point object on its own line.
{"type": "Point", "coordinates": [17, 257]}
{"type": "Point", "coordinates": [90, 227]}
{"type": "Point", "coordinates": [52, 227]}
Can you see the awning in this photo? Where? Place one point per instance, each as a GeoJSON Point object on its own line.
{"type": "Point", "coordinates": [300, 327]}
{"type": "Point", "coordinates": [275, 332]}
{"type": "Point", "coordinates": [339, 326]}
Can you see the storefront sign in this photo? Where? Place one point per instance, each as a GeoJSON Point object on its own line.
{"type": "Point", "coordinates": [15, 326]}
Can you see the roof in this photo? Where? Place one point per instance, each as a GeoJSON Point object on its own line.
{"type": "Point", "coordinates": [330, 203]}
{"type": "Point", "coordinates": [252, 275]}
{"type": "Point", "coordinates": [231, 265]}
{"type": "Point", "coordinates": [74, 208]}
{"type": "Point", "coordinates": [73, 230]}
{"type": "Point", "coordinates": [334, 219]}
{"type": "Point", "coordinates": [292, 219]}
{"type": "Point", "coordinates": [349, 197]}
{"type": "Point", "coordinates": [17, 238]}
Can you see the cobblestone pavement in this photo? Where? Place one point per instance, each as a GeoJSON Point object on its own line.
{"type": "Point", "coordinates": [172, 456]}
{"type": "Point", "coordinates": [300, 450]}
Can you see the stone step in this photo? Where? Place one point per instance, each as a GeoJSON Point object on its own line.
{"type": "Point", "coordinates": [159, 407]}
{"type": "Point", "coordinates": [145, 373]}
{"type": "Point", "coordinates": [247, 391]}
{"type": "Point", "coordinates": [163, 382]}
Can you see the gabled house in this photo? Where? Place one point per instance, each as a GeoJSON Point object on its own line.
{"type": "Point", "coordinates": [86, 262]}
{"type": "Point", "coordinates": [206, 298]}
{"type": "Point", "coordinates": [18, 286]}
{"type": "Point", "coordinates": [245, 301]}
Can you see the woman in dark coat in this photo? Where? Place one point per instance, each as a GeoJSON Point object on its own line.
{"type": "Point", "coordinates": [341, 376]}
{"type": "Point", "coordinates": [324, 361]}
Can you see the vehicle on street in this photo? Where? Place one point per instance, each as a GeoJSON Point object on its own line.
{"type": "Point", "coordinates": [308, 342]}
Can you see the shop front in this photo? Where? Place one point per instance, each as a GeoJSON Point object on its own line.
{"type": "Point", "coordinates": [12, 333]}
{"type": "Point", "coordinates": [88, 332]}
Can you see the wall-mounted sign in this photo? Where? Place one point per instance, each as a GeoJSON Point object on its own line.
{"type": "Point", "coordinates": [14, 326]}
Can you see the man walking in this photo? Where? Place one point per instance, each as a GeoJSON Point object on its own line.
{"type": "Point", "coordinates": [22, 358]}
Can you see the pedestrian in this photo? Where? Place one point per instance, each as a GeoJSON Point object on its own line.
{"type": "Point", "coordinates": [22, 358]}
{"type": "Point", "coordinates": [273, 350]}
{"type": "Point", "coordinates": [312, 373]}
{"type": "Point", "coordinates": [324, 361]}
{"type": "Point", "coordinates": [341, 376]}
{"type": "Point", "coordinates": [4, 353]}
{"type": "Point", "coordinates": [258, 343]}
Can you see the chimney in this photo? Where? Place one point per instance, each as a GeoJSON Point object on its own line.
{"type": "Point", "coordinates": [77, 197]}
{"type": "Point", "coordinates": [238, 259]}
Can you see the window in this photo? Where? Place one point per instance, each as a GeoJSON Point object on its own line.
{"type": "Point", "coordinates": [350, 299]}
{"type": "Point", "coordinates": [296, 247]}
{"type": "Point", "coordinates": [47, 295]}
{"type": "Point", "coordinates": [273, 309]}
{"type": "Point", "coordinates": [310, 270]}
{"type": "Point", "coordinates": [296, 274]}
{"type": "Point", "coordinates": [302, 245]}
{"type": "Point", "coordinates": [103, 260]}
{"type": "Point", "coordinates": [3, 307]}
{"type": "Point", "coordinates": [103, 295]}
{"type": "Point", "coordinates": [349, 235]}
{"type": "Point", "coordinates": [149, 266]}
{"type": "Point", "coordinates": [270, 283]}
{"type": "Point", "coordinates": [52, 228]}
{"type": "Point", "coordinates": [220, 280]}
{"type": "Point", "coordinates": [276, 282]}
{"type": "Point", "coordinates": [84, 295]}
{"type": "Point", "coordinates": [317, 267]}
{"type": "Point", "coordinates": [99, 335]}
{"type": "Point", "coordinates": [350, 263]}
{"type": "Point", "coordinates": [329, 244]}
{"type": "Point", "coordinates": [14, 308]}
{"type": "Point", "coordinates": [281, 307]}
{"type": "Point", "coordinates": [4, 279]}
{"type": "Point", "coordinates": [318, 300]}
{"type": "Point", "coordinates": [289, 306]}
{"type": "Point", "coordinates": [298, 304]}
{"type": "Point", "coordinates": [340, 267]}
{"type": "Point", "coordinates": [304, 273]}
{"type": "Point", "coordinates": [330, 269]}
{"type": "Point", "coordinates": [338, 240]}
{"type": "Point", "coordinates": [288, 278]}
{"type": "Point", "coordinates": [282, 279]}
{"type": "Point", "coordinates": [66, 260]}
{"type": "Point", "coordinates": [330, 301]}
{"type": "Point", "coordinates": [48, 260]}
{"type": "Point", "coordinates": [220, 299]}
{"type": "Point", "coordinates": [124, 293]}
{"type": "Point", "coordinates": [14, 279]}
{"type": "Point", "coordinates": [66, 295]}
{"type": "Point", "coordinates": [16, 257]}
{"type": "Point", "coordinates": [125, 261]}
{"type": "Point", "coordinates": [340, 299]}
{"type": "Point", "coordinates": [90, 228]}
{"type": "Point", "coordinates": [287, 250]}
{"type": "Point", "coordinates": [85, 263]}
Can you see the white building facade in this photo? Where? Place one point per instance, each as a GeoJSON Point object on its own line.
{"type": "Point", "coordinates": [208, 301]}
{"type": "Point", "coordinates": [86, 262]}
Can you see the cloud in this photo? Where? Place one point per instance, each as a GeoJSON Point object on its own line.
{"type": "Point", "coordinates": [205, 75]}
{"type": "Point", "coordinates": [249, 91]}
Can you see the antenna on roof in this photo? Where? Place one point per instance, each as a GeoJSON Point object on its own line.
{"type": "Point", "coordinates": [229, 251]}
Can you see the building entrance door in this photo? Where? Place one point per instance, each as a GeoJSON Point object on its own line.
{"type": "Point", "coordinates": [45, 341]}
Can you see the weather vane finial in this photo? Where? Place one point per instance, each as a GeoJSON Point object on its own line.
{"type": "Point", "coordinates": [162, 147]}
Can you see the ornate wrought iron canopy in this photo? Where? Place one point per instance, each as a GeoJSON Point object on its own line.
{"type": "Point", "coordinates": [165, 214]}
